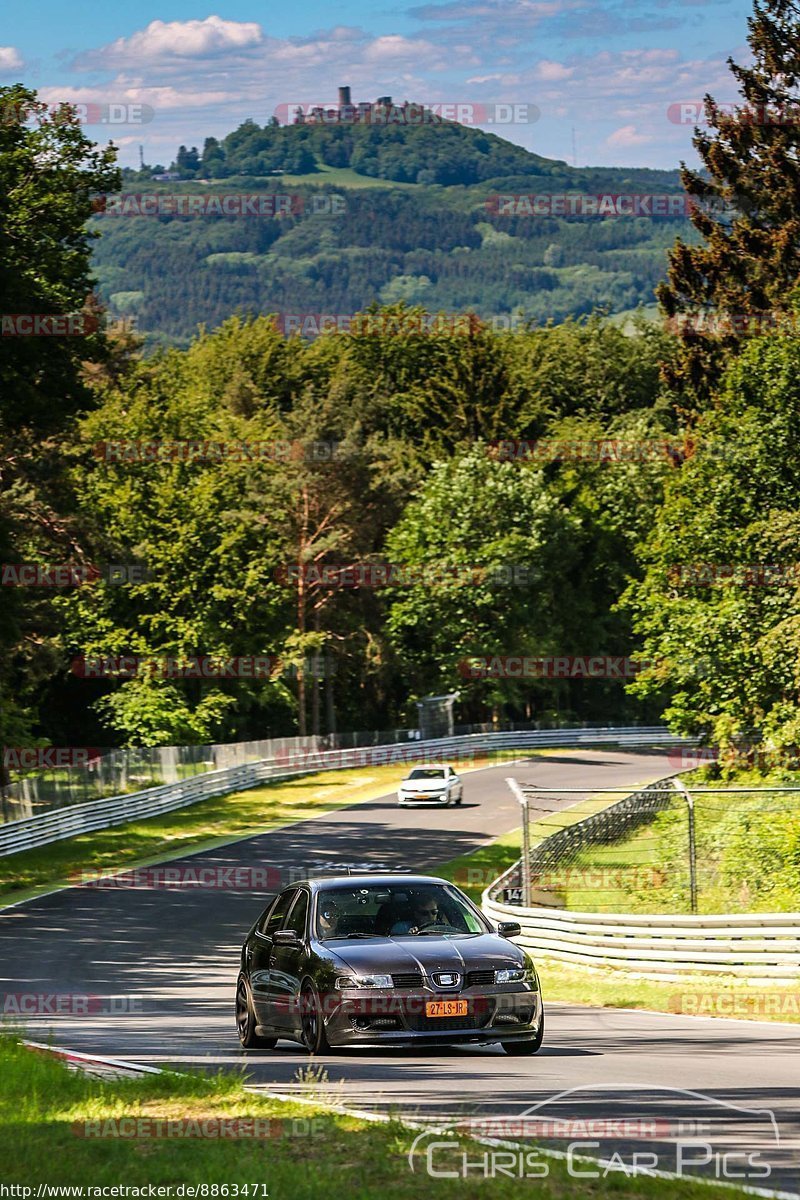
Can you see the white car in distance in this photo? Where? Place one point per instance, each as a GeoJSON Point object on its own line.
{"type": "Point", "coordinates": [430, 785]}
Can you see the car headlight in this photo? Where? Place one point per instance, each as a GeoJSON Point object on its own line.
{"type": "Point", "coordinates": [347, 983]}
{"type": "Point", "coordinates": [510, 975]}
{"type": "Point", "coordinates": [525, 974]}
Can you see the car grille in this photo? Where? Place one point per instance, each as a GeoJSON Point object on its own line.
{"type": "Point", "coordinates": [412, 979]}
{"type": "Point", "coordinates": [419, 1023]}
{"type": "Point", "coordinates": [480, 978]}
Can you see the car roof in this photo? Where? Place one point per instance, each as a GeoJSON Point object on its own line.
{"type": "Point", "coordinates": [429, 766]}
{"type": "Point", "coordinates": [368, 878]}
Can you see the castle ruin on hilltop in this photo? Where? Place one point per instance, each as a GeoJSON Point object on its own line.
{"type": "Point", "coordinates": [382, 112]}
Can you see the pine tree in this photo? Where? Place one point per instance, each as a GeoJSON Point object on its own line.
{"type": "Point", "coordinates": [740, 279]}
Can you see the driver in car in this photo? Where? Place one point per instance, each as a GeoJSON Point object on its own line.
{"type": "Point", "coordinates": [425, 911]}
{"type": "Point", "coordinates": [328, 918]}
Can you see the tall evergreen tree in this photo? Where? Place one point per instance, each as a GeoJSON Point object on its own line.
{"type": "Point", "coordinates": [741, 277]}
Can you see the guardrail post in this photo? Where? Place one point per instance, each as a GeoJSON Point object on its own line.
{"type": "Point", "coordinates": [681, 787]}
{"type": "Point", "coordinates": [526, 841]}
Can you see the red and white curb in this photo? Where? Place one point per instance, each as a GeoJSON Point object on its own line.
{"type": "Point", "coordinates": [93, 1064]}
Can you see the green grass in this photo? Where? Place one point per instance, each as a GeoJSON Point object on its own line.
{"type": "Point", "coordinates": [700, 995]}
{"type": "Point", "coordinates": [312, 1153]}
{"type": "Point", "coordinates": [474, 872]}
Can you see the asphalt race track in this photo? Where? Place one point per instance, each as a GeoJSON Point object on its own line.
{"type": "Point", "coordinates": [154, 970]}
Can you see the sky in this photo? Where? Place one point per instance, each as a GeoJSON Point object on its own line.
{"type": "Point", "coordinates": [594, 82]}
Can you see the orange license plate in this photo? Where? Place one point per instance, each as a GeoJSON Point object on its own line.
{"type": "Point", "coordinates": [446, 1008]}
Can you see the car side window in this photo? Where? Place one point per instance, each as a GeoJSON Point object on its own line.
{"type": "Point", "coordinates": [262, 920]}
{"type": "Point", "coordinates": [297, 917]}
{"type": "Point", "coordinates": [278, 911]}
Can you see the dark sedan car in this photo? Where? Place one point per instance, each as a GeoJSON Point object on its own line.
{"type": "Point", "coordinates": [374, 960]}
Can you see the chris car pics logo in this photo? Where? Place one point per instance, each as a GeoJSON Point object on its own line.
{"type": "Point", "coordinates": [599, 1131]}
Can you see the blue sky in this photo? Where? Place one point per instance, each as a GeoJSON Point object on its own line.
{"type": "Point", "coordinates": [608, 70]}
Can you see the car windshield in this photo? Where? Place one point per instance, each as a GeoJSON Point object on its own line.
{"type": "Point", "coordinates": [395, 911]}
{"type": "Point", "coordinates": [427, 773]}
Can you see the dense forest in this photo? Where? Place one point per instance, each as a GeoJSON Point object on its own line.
{"type": "Point", "coordinates": [373, 511]}
{"type": "Point", "coordinates": [440, 239]}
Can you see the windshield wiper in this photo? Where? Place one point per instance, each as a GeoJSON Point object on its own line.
{"type": "Point", "coordinates": [446, 933]}
{"type": "Point", "coordinates": [348, 937]}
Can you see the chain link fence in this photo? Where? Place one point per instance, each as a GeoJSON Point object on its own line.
{"type": "Point", "coordinates": [664, 848]}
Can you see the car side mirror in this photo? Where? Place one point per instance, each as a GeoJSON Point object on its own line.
{"type": "Point", "coordinates": [509, 929]}
{"type": "Point", "coordinates": [286, 937]}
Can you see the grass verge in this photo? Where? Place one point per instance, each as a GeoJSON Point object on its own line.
{"type": "Point", "coordinates": [51, 1119]}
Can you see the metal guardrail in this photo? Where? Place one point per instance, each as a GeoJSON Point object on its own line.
{"type": "Point", "coordinates": [110, 772]}
{"type": "Point", "coordinates": [43, 828]}
{"type": "Point", "coordinates": [758, 946]}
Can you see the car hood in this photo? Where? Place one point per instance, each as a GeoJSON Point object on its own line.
{"type": "Point", "coordinates": [392, 956]}
{"type": "Point", "coordinates": [424, 785]}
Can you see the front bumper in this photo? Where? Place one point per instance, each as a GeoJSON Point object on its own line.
{"type": "Point", "coordinates": [409, 798]}
{"type": "Point", "coordinates": [399, 1017]}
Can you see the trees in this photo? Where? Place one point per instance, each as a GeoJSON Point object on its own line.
{"type": "Point", "coordinates": [49, 172]}
{"type": "Point", "coordinates": [187, 161]}
{"type": "Point", "coordinates": [500, 519]}
{"type": "Point", "coordinates": [746, 208]}
{"type": "Point", "coordinates": [201, 522]}
{"type": "Point", "coordinates": [717, 607]}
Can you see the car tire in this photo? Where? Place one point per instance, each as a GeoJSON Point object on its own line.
{"type": "Point", "coordinates": [315, 1038]}
{"type": "Point", "coordinates": [246, 1021]}
{"type": "Point", "coordinates": [530, 1046]}
{"type": "Point", "coordinates": [460, 798]}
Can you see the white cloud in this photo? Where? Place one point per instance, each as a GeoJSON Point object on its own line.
{"type": "Point", "coordinates": [160, 99]}
{"type": "Point", "coordinates": [628, 135]}
{"type": "Point", "coordinates": [553, 71]}
{"type": "Point", "coordinates": [163, 40]}
{"type": "Point", "coordinates": [394, 48]}
{"type": "Point", "coordinates": [10, 59]}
